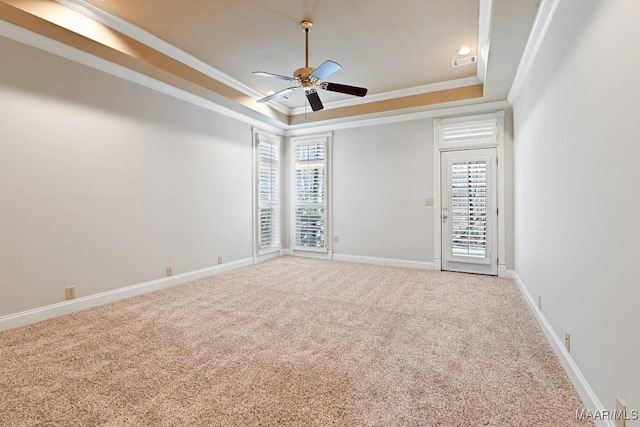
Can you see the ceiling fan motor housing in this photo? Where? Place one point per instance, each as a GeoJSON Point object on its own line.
{"type": "Point", "coordinates": [304, 75]}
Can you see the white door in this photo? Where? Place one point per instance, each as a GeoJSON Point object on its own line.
{"type": "Point", "coordinates": [469, 211]}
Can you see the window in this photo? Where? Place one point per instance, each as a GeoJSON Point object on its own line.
{"type": "Point", "coordinates": [464, 132]}
{"type": "Point", "coordinates": [481, 131]}
{"type": "Point", "coordinates": [310, 193]}
{"type": "Point", "coordinates": [268, 189]}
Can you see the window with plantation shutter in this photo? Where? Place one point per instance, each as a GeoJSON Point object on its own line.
{"type": "Point", "coordinates": [465, 133]}
{"type": "Point", "coordinates": [469, 132]}
{"type": "Point", "coordinates": [268, 193]}
{"type": "Point", "coordinates": [310, 194]}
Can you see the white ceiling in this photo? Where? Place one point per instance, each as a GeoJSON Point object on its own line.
{"type": "Point", "coordinates": [395, 49]}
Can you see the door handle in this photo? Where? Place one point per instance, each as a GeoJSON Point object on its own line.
{"type": "Point", "coordinates": [444, 217]}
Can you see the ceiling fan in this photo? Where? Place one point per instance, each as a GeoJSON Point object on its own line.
{"type": "Point", "coordinates": [306, 78]}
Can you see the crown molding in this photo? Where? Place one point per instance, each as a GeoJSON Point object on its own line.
{"type": "Point", "coordinates": [483, 107]}
{"type": "Point", "coordinates": [156, 43]}
{"type": "Point", "coordinates": [400, 93]}
{"type": "Point", "coordinates": [484, 32]}
{"type": "Point", "coordinates": [484, 37]}
{"type": "Point", "coordinates": [27, 37]}
{"type": "Point", "coordinates": [30, 38]}
{"type": "Point", "coordinates": [91, 11]}
{"type": "Point", "coordinates": [541, 24]}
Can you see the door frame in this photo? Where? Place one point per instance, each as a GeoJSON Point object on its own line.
{"type": "Point", "coordinates": [496, 140]}
{"type": "Point", "coordinates": [488, 264]}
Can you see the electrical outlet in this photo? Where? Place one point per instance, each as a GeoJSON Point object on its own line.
{"type": "Point", "coordinates": [219, 260]}
{"type": "Point", "coordinates": [428, 202]}
{"type": "Point", "coordinates": [540, 301]}
{"type": "Point", "coordinates": [621, 413]}
{"type": "Point", "coordinates": [567, 341]}
{"type": "Point", "coordinates": [336, 239]}
{"type": "Point", "coordinates": [70, 292]}
{"type": "Point", "coordinates": [169, 271]}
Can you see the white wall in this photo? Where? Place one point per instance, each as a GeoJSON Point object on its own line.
{"type": "Point", "coordinates": [381, 177]}
{"type": "Point", "coordinates": [577, 190]}
{"type": "Point", "coordinates": [105, 183]}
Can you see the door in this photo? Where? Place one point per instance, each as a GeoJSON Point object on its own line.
{"type": "Point", "coordinates": [469, 211]}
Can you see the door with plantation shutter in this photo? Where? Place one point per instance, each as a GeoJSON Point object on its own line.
{"type": "Point", "coordinates": [469, 212]}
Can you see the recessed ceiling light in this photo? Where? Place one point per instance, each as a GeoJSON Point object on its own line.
{"type": "Point", "coordinates": [464, 50]}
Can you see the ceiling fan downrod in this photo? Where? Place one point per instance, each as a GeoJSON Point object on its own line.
{"type": "Point", "coordinates": [304, 73]}
{"type": "Point", "coordinates": [306, 27]}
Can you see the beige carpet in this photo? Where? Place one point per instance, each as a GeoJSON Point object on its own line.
{"type": "Point", "coordinates": [293, 342]}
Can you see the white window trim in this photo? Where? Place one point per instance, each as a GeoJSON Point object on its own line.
{"type": "Point", "coordinates": [257, 251]}
{"type": "Point", "coordinates": [327, 139]}
{"type": "Point", "coordinates": [440, 146]}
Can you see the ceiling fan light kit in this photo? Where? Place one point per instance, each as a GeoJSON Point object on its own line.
{"type": "Point", "coordinates": [308, 78]}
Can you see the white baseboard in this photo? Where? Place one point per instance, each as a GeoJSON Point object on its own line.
{"type": "Point", "coordinates": [266, 257]}
{"type": "Point", "coordinates": [586, 393]}
{"type": "Point", "coordinates": [423, 265]}
{"type": "Point", "coordinates": [43, 313]}
{"type": "Point", "coordinates": [309, 254]}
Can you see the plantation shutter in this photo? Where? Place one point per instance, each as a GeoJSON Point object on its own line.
{"type": "Point", "coordinates": [468, 133]}
{"type": "Point", "coordinates": [469, 209]}
{"type": "Point", "coordinates": [310, 196]}
{"type": "Point", "coordinates": [268, 193]}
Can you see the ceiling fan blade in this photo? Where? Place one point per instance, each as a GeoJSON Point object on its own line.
{"type": "Point", "coordinates": [276, 76]}
{"type": "Point", "coordinates": [325, 70]}
{"type": "Point", "coordinates": [350, 90]}
{"type": "Point", "coordinates": [277, 94]}
{"type": "Point", "coordinates": [314, 100]}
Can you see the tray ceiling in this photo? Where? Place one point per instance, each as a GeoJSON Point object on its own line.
{"type": "Point", "coordinates": [401, 51]}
